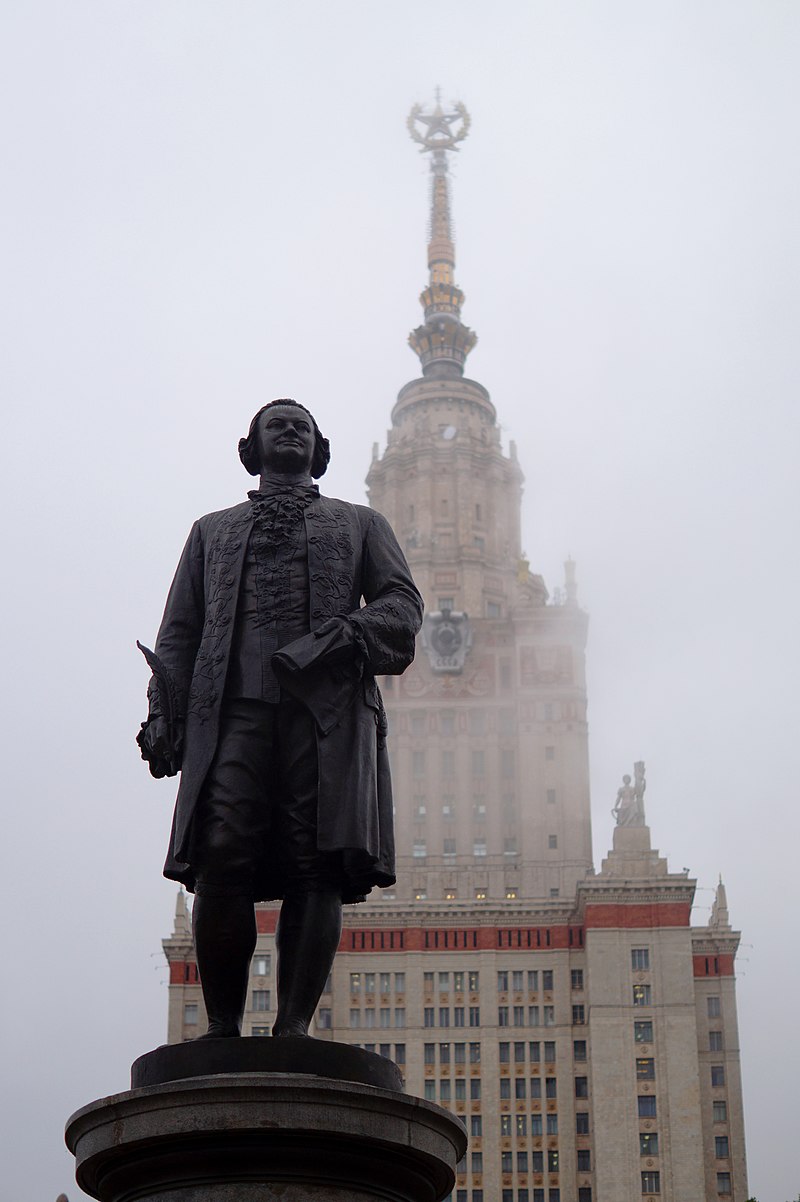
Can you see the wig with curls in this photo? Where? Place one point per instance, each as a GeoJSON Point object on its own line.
{"type": "Point", "coordinates": [250, 454]}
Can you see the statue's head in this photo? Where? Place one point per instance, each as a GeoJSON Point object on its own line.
{"type": "Point", "coordinates": [278, 440]}
{"type": "Point", "coordinates": [626, 780]}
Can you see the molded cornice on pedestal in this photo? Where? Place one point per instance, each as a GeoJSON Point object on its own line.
{"type": "Point", "coordinates": [251, 1137]}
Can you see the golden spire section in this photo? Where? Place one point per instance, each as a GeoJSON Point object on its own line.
{"type": "Point", "coordinates": [442, 343]}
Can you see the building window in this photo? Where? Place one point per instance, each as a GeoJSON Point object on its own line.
{"type": "Point", "coordinates": [399, 1053]}
{"type": "Point", "coordinates": [355, 982]}
{"type": "Point", "coordinates": [478, 763]}
{"type": "Point", "coordinates": [552, 841]}
{"type": "Point", "coordinates": [502, 1016]}
{"type": "Point", "coordinates": [720, 1112]}
{"type": "Point", "coordinates": [713, 1006]}
{"type": "Point", "coordinates": [511, 893]}
{"type": "Point", "coordinates": [576, 978]}
{"type": "Point", "coordinates": [418, 763]}
{"type": "Point", "coordinates": [420, 850]}
{"type": "Point", "coordinates": [584, 1193]}
{"type": "Point", "coordinates": [550, 752]}
{"type": "Point", "coordinates": [369, 1017]}
{"type": "Point", "coordinates": [640, 959]}
{"type": "Point", "coordinates": [582, 1122]}
{"type": "Point", "coordinates": [547, 980]}
{"type": "Point", "coordinates": [519, 1052]}
{"type": "Point", "coordinates": [474, 1053]}
{"type": "Point", "coordinates": [507, 764]}
{"type": "Point", "coordinates": [474, 1016]}
{"type": "Point", "coordinates": [458, 1016]}
{"type": "Point", "coordinates": [721, 1147]}
{"type": "Point", "coordinates": [522, 1124]}
{"type": "Point", "coordinates": [448, 763]}
{"type": "Point", "coordinates": [260, 999]}
{"type": "Point", "coordinates": [533, 1016]}
{"type": "Point", "coordinates": [444, 1091]}
{"type": "Point", "coordinates": [536, 1124]}
{"type": "Point", "coordinates": [430, 1091]}
{"type": "Point", "coordinates": [505, 1053]}
{"type": "Point", "coordinates": [505, 1125]}
{"type": "Point", "coordinates": [643, 1032]}
{"type": "Point", "coordinates": [554, 892]}
{"type": "Point", "coordinates": [324, 1018]}
{"type": "Point", "coordinates": [502, 981]}
{"type": "Point", "coordinates": [536, 1087]}
{"type": "Point", "coordinates": [479, 847]}
{"type": "Point", "coordinates": [190, 1013]}
{"type": "Point", "coordinates": [475, 1125]}
{"type": "Point", "coordinates": [723, 1183]}
{"type": "Point", "coordinates": [522, 1162]}
{"type": "Point", "coordinates": [400, 982]}
{"type": "Point", "coordinates": [581, 1087]}
{"type": "Point", "coordinates": [475, 1088]}
{"type": "Point", "coordinates": [551, 797]}
{"type": "Point", "coordinates": [584, 1160]}
{"type": "Point", "coordinates": [651, 1182]}
{"type": "Point", "coordinates": [520, 1091]}
{"type": "Point", "coordinates": [647, 1106]}
{"type": "Point", "coordinates": [578, 1016]}
{"type": "Point", "coordinates": [429, 1017]}
{"type": "Point", "coordinates": [444, 1016]}
{"type": "Point", "coordinates": [449, 847]}
{"type": "Point", "coordinates": [505, 1089]}
{"type": "Point", "coordinates": [715, 1041]}
{"type": "Point", "coordinates": [261, 966]}
{"type": "Point", "coordinates": [549, 1015]}
{"type": "Point", "coordinates": [510, 847]}
{"type": "Point", "coordinates": [261, 1032]}
{"type": "Point", "coordinates": [533, 980]}
{"type": "Point", "coordinates": [473, 981]}
{"type": "Point", "coordinates": [554, 1195]}
{"type": "Point", "coordinates": [579, 1049]}
{"type": "Point", "coordinates": [552, 1124]}
{"type": "Point", "coordinates": [549, 1051]}
{"type": "Point", "coordinates": [519, 1016]}
{"type": "Point", "coordinates": [642, 995]}
{"type": "Point", "coordinates": [648, 1143]}
{"type": "Point", "coordinates": [645, 1068]}
{"type": "Point", "coordinates": [355, 1018]}
{"type": "Point", "coordinates": [717, 1075]}
{"type": "Point", "coordinates": [552, 1161]}
{"type": "Point", "coordinates": [550, 1087]}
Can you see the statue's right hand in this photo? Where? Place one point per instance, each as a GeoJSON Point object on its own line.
{"type": "Point", "coordinates": [157, 747]}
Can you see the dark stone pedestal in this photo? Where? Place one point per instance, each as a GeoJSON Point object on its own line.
{"type": "Point", "coordinates": [253, 1136]}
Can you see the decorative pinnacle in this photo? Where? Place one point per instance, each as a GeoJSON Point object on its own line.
{"type": "Point", "coordinates": [443, 342]}
{"type": "Point", "coordinates": [439, 132]}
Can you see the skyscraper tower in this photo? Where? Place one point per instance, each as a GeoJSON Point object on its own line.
{"type": "Point", "coordinates": [581, 1028]}
{"type": "Point", "coordinates": [489, 727]}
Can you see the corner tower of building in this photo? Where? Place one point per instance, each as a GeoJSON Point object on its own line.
{"type": "Point", "coordinates": [489, 727]}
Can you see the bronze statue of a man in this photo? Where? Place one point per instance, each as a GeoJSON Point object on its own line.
{"type": "Point", "coordinates": [264, 696]}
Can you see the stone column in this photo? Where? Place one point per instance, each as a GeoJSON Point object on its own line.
{"type": "Point", "coordinates": [252, 1136]}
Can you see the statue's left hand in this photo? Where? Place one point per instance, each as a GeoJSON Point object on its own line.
{"type": "Point", "coordinates": [344, 648]}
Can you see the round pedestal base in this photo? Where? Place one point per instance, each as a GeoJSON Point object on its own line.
{"type": "Point", "coordinates": [250, 1137]}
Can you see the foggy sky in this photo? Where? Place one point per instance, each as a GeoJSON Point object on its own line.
{"type": "Point", "coordinates": [209, 205]}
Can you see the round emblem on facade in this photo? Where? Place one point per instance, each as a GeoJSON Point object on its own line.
{"type": "Point", "coordinates": [449, 432]}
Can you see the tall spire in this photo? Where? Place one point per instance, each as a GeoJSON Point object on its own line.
{"type": "Point", "coordinates": [443, 342]}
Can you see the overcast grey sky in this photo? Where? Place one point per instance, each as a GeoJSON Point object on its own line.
{"type": "Point", "coordinates": [207, 205]}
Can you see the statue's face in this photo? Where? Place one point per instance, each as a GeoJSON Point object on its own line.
{"type": "Point", "coordinates": [286, 439]}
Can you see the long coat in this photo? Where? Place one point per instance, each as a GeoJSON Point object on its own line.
{"type": "Point", "coordinates": [352, 554]}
